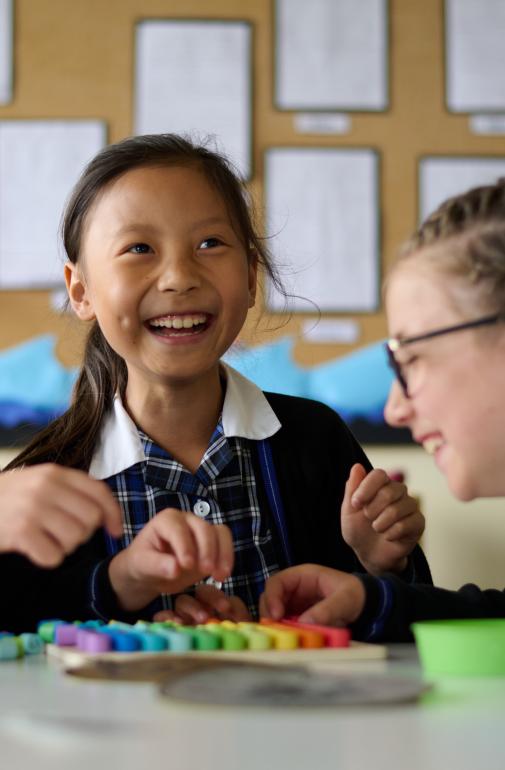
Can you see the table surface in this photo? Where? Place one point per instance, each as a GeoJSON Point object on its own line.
{"type": "Point", "coordinates": [52, 720]}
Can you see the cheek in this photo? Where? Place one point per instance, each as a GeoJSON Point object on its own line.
{"type": "Point", "coordinates": [127, 323]}
{"type": "Point", "coordinates": [118, 306]}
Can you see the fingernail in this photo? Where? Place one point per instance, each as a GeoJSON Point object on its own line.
{"type": "Point", "coordinates": [355, 501]}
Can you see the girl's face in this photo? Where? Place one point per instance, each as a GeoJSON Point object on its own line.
{"type": "Point", "coordinates": [164, 274]}
{"type": "Point", "coordinates": [456, 408]}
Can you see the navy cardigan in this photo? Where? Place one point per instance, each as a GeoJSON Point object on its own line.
{"type": "Point", "coordinates": [312, 453]}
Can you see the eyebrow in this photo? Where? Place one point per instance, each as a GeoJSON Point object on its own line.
{"type": "Point", "coordinates": [136, 226]}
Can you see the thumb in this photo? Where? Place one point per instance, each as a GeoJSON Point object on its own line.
{"type": "Point", "coordinates": [341, 607]}
{"type": "Point", "coordinates": [356, 476]}
{"type": "Point", "coordinates": [327, 612]}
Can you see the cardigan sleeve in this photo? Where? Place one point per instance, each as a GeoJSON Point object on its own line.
{"type": "Point", "coordinates": [79, 589]}
{"type": "Point", "coordinates": [392, 606]}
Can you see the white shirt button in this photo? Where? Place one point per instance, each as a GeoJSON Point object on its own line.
{"type": "Point", "coordinates": [211, 582]}
{"type": "Point", "coordinates": [201, 508]}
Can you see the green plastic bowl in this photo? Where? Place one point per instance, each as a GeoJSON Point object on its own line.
{"type": "Point", "coordinates": [461, 647]}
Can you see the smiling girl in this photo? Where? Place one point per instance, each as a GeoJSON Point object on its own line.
{"type": "Point", "coordinates": [215, 478]}
{"type": "Point", "coordinates": [445, 301]}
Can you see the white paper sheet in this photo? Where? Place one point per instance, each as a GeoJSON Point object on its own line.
{"type": "Point", "coordinates": [322, 210]}
{"type": "Point", "coordinates": [441, 178]}
{"type": "Point", "coordinates": [475, 56]}
{"type": "Point", "coordinates": [194, 77]}
{"type": "Point", "coordinates": [6, 51]}
{"type": "Point", "coordinates": [331, 330]}
{"type": "Point", "coordinates": [331, 54]}
{"type": "Point", "coordinates": [40, 161]}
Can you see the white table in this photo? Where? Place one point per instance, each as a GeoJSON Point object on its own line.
{"type": "Point", "coordinates": [50, 720]}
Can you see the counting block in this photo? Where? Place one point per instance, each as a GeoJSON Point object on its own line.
{"type": "Point", "coordinates": [284, 635]}
{"type": "Point", "coordinates": [135, 654]}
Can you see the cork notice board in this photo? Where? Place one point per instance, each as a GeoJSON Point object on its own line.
{"type": "Point", "coordinates": [75, 60]}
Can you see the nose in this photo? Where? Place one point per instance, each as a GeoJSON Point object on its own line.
{"type": "Point", "coordinates": [178, 273]}
{"type": "Point", "coordinates": [399, 410]}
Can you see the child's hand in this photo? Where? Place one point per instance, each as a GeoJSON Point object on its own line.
{"type": "Point", "coordinates": [47, 510]}
{"type": "Point", "coordinates": [173, 551]}
{"type": "Point", "coordinates": [315, 594]}
{"type": "Point", "coordinates": [208, 602]}
{"type": "Point", "coordinates": [380, 521]}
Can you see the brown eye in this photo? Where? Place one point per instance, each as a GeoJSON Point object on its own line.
{"type": "Point", "coordinates": [210, 243]}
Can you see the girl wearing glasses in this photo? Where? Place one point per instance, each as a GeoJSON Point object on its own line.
{"type": "Point", "coordinates": [445, 301]}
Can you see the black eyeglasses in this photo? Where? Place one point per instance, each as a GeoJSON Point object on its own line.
{"type": "Point", "coordinates": [395, 343]}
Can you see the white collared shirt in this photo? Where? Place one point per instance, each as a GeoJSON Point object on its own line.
{"type": "Point", "coordinates": [246, 413]}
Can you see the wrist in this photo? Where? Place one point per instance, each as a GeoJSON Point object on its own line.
{"type": "Point", "coordinates": [370, 623]}
{"type": "Point", "coordinates": [376, 568]}
{"type": "Point", "coordinates": [131, 594]}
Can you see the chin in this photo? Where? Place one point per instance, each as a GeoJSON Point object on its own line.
{"type": "Point", "coordinates": [464, 489]}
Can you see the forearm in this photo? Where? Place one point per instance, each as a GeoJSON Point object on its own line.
{"type": "Point", "coordinates": [392, 606]}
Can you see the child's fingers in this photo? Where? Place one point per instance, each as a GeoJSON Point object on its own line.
{"type": "Point", "coordinates": [207, 548]}
{"type": "Point", "coordinates": [239, 612]}
{"type": "Point", "coordinates": [166, 616]}
{"type": "Point", "coordinates": [356, 476]}
{"type": "Point", "coordinates": [99, 494]}
{"type": "Point", "coordinates": [396, 512]}
{"type": "Point", "coordinates": [273, 600]}
{"type": "Point", "coordinates": [332, 611]}
{"type": "Point", "coordinates": [408, 530]}
{"type": "Point", "coordinates": [41, 549]}
{"type": "Point", "coordinates": [172, 528]}
{"type": "Point", "coordinates": [190, 610]}
{"type": "Point", "coordinates": [282, 590]}
{"type": "Point", "coordinates": [215, 600]}
{"type": "Point", "coordinates": [390, 494]}
{"type": "Point", "coordinates": [153, 565]}
{"type": "Point", "coordinates": [52, 533]}
{"type": "Point", "coordinates": [83, 497]}
{"type": "Point", "coordinates": [377, 489]}
{"type": "Point", "coordinates": [225, 554]}
{"type": "Point", "coordinates": [343, 602]}
{"type": "Point", "coordinates": [66, 530]}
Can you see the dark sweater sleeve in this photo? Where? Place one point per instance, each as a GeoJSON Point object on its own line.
{"type": "Point", "coordinates": [392, 606]}
{"type": "Point", "coordinates": [79, 589]}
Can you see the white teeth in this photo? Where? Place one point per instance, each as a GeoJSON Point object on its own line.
{"type": "Point", "coordinates": [432, 444]}
{"type": "Point", "coordinates": [179, 322]}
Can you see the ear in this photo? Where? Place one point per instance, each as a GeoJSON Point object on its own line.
{"type": "Point", "coordinates": [253, 278]}
{"type": "Point", "coordinates": [78, 293]}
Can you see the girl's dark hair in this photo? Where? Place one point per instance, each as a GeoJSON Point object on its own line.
{"type": "Point", "coordinates": [71, 438]}
{"type": "Point", "coordinates": [473, 227]}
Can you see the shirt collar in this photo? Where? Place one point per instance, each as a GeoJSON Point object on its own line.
{"type": "Point", "coordinates": [246, 414]}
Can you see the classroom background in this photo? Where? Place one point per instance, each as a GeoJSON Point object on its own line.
{"type": "Point", "coordinates": [350, 121]}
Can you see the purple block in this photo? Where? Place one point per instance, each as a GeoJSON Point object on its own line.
{"type": "Point", "coordinates": [66, 635]}
{"type": "Point", "coordinates": [91, 641]}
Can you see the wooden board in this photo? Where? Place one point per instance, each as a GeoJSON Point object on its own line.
{"type": "Point", "coordinates": [155, 666]}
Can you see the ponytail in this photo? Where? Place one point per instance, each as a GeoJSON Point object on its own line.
{"type": "Point", "coordinates": [71, 438]}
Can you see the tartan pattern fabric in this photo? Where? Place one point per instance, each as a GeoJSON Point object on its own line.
{"type": "Point", "coordinates": [225, 480]}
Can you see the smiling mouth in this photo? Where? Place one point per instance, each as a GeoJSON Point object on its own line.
{"type": "Point", "coordinates": [179, 325]}
{"type": "Point", "coordinates": [432, 444]}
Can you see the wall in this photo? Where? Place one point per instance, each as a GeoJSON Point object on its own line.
{"type": "Point", "coordinates": [75, 59]}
